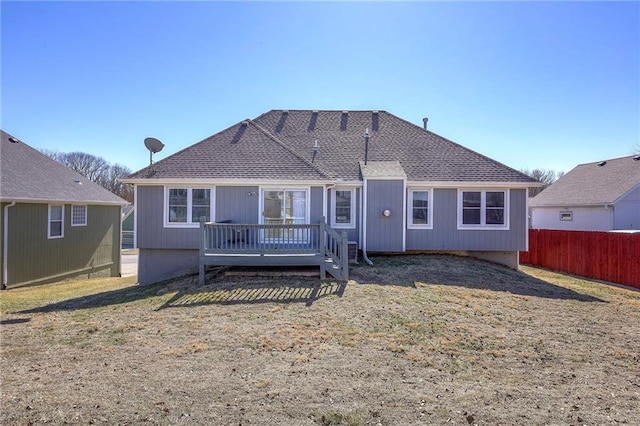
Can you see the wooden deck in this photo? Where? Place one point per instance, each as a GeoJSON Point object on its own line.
{"type": "Point", "coordinates": [239, 244]}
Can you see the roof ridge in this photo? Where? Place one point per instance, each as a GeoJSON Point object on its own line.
{"type": "Point", "coordinates": [284, 146]}
{"type": "Point", "coordinates": [607, 159]}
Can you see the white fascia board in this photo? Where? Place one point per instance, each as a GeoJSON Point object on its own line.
{"type": "Point", "coordinates": [468, 184]}
{"type": "Point", "coordinates": [570, 206]}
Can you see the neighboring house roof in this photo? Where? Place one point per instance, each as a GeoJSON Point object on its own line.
{"type": "Point", "coordinates": [278, 145]}
{"type": "Point", "coordinates": [597, 183]}
{"type": "Point", "coordinates": [127, 210]}
{"type": "Point", "coordinates": [28, 175]}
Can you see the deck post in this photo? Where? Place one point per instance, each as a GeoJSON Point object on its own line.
{"type": "Point", "coordinates": [203, 243]}
{"type": "Point", "coordinates": [322, 243]}
{"type": "Point", "coordinates": [344, 255]}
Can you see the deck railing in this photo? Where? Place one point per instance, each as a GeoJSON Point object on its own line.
{"type": "Point", "coordinates": [250, 240]}
{"type": "Point", "coordinates": [259, 239]}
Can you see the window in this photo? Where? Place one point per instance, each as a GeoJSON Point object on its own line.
{"type": "Point", "coordinates": [78, 215]}
{"type": "Point", "coordinates": [344, 210]}
{"type": "Point", "coordinates": [185, 206]}
{"type": "Point", "coordinates": [56, 222]}
{"type": "Point", "coordinates": [483, 209]}
{"type": "Point", "coordinates": [419, 211]}
{"type": "Point", "coordinates": [566, 216]}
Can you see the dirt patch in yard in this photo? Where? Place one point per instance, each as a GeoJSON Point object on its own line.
{"type": "Point", "coordinates": [412, 340]}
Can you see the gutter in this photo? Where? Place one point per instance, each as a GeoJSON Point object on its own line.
{"type": "Point", "coordinates": [5, 242]}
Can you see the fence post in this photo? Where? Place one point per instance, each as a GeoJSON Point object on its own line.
{"type": "Point", "coordinates": [203, 243]}
{"type": "Point", "coordinates": [323, 251]}
{"type": "Point", "coordinates": [344, 255]}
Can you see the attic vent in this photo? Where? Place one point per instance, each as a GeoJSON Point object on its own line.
{"type": "Point", "coordinates": [343, 120]}
{"type": "Point", "coordinates": [636, 158]}
{"type": "Point", "coordinates": [13, 140]}
{"type": "Point", "coordinates": [375, 121]}
{"type": "Point", "coordinates": [602, 163]}
{"type": "Point", "coordinates": [313, 121]}
{"type": "Point", "coordinates": [283, 118]}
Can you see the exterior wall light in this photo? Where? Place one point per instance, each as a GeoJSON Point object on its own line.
{"type": "Point", "coordinates": [386, 213]}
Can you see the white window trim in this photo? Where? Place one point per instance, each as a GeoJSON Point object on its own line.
{"type": "Point", "coordinates": [352, 219]}
{"type": "Point", "coordinates": [483, 210]}
{"type": "Point", "coordinates": [190, 223]}
{"type": "Point", "coordinates": [410, 224]}
{"type": "Point", "coordinates": [49, 236]}
{"type": "Point", "coordinates": [307, 189]}
{"type": "Point", "coordinates": [73, 206]}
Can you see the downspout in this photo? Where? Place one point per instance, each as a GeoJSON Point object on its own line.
{"type": "Point", "coordinates": [363, 221]}
{"type": "Point", "coordinates": [5, 246]}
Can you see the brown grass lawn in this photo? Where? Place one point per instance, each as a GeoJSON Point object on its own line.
{"type": "Point", "coordinates": [413, 340]}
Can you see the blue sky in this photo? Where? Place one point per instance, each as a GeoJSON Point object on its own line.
{"type": "Point", "coordinates": [530, 84]}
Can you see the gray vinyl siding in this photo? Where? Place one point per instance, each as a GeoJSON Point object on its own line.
{"type": "Point", "coordinates": [446, 236]}
{"type": "Point", "coordinates": [151, 232]}
{"type": "Point", "coordinates": [316, 209]}
{"type": "Point", "coordinates": [385, 234]}
{"type": "Point", "coordinates": [238, 204]}
{"type": "Point", "coordinates": [33, 258]}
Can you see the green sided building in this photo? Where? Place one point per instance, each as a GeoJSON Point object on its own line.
{"type": "Point", "coordinates": [54, 223]}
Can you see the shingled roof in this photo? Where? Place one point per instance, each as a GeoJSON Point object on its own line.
{"type": "Point", "coordinates": [278, 145]}
{"type": "Point", "coordinates": [27, 175]}
{"type": "Point", "coordinates": [590, 184]}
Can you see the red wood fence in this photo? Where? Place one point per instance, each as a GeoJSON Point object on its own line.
{"type": "Point", "coordinates": [608, 256]}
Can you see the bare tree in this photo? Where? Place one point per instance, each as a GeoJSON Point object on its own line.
{"type": "Point", "coordinates": [111, 180]}
{"type": "Point", "coordinates": [97, 170]}
{"type": "Point", "coordinates": [547, 177]}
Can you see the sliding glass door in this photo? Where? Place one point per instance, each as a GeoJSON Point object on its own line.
{"type": "Point", "coordinates": [285, 207]}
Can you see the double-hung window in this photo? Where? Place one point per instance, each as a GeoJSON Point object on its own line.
{"type": "Point", "coordinates": [185, 206]}
{"type": "Point", "coordinates": [78, 215]}
{"type": "Point", "coordinates": [344, 208]}
{"type": "Point", "coordinates": [483, 209]}
{"type": "Point", "coordinates": [419, 209]}
{"type": "Point", "coordinates": [55, 228]}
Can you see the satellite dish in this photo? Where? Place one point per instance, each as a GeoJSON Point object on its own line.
{"type": "Point", "coordinates": [153, 145]}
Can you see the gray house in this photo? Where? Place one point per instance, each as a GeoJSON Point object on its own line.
{"type": "Point", "coordinates": [598, 196]}
{"type": "Point", "coordinates": [387, 185]}
{"type": "Point", "coordinates": [54, 223]}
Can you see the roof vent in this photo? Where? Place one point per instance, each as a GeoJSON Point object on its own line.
{"type": "Point", "coordinates": [285, 111]}
{"type": "Point", "coordinates": [245, 123]}
{"type": "Point", "coordinates": [636, 158]}
{"type": "Point", "coordinates": [602, 163]}
{"type": "Point", "coordinates": [13, 140]}
{"type": "Point", "coordinates": [424, 122]}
